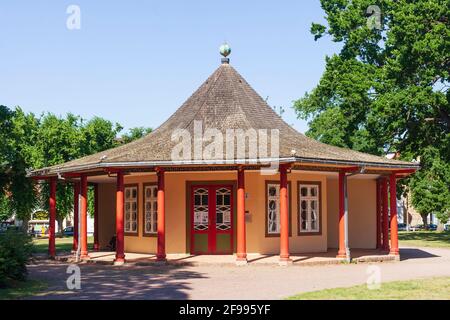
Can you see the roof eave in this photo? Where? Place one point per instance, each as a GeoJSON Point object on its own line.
{"type": "Point", "coordinates": [47, 172]}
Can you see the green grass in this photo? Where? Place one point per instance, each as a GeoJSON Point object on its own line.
{"type": "Point", "coordinates": [62, 244]}
{"type": "Point", "coordinates": [424, 239]}
{"type": "Point", "coordinates": [423, 289]}
{"type": "Point", "coordinates": [21, 289]}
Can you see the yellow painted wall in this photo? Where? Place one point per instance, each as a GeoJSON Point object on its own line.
{"type": "Point", "coordinates": [362, 213]}
{"type": "Point", "coordinates": [107, 213]}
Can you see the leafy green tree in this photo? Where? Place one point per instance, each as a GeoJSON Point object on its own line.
{"type": "Point", "coordinates": [58, 141]}
{"type": "Point", "coordinates": [5, 207]}
{"type": "Point", "coordinates": [31, 142]}
{"type": "Point", "coordinates": [135, 133]}
{"type": "Point", "coordinates": [98, 135]}
{"type": "Point", "coordinates": [387, 89]}
{"type": "Point", "coordinates": [430, 187]}
{"type": "Point", "coordinates": [17, 136]}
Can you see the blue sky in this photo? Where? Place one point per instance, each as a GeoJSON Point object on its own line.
{"type": "Point", "coordinates": [136, 62]}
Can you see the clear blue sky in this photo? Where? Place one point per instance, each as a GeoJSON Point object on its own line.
{"type": "Point", "coordinates": [136, 62]}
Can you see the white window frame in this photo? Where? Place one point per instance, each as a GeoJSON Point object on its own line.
{"type": "Point", "coordinates": [309, 200]}
{"type": "Point", "coordinates": [153, 213]}
{"type": "Point", "coordinates": [128, 210]}
{"type": "Point", "coordinates": [275, 198]}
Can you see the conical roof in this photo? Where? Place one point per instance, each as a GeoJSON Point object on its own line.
{"type": "Point", "coordinates": [224, 101]}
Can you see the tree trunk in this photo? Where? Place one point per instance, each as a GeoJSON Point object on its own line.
{"type": "Point", "coordinates": [60, 225]}
{"type": "Point", "coordinates": [425, 222]}
{"type": "Point", "coordinates": [25, 225]}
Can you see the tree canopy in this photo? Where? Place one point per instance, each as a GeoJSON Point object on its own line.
{"type": "Point", "coordinates": [387, 89]}
{"type": "Point", "coordinates": [47, 140]}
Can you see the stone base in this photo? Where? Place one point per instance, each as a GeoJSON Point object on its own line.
{"type": "Point", "coordinates": [241, 262]}
{"type": "Point", "coordinates": [161, 260]}
{"type": "Point", "coordinates": [285, 262]}
{"type": "Point", "coordinates": [119, 262]}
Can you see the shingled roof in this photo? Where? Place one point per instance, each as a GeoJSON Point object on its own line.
{"type": "Point", "coordinates": [224, 101]}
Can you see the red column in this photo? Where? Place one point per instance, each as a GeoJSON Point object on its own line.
{"type": "Point", "coordinates": [96, 245]}
{"type": "Point", "coordinates": [76, 194]}
{"type": "Point", "coordinates": [394, 227]}
{"type": "Point", "coordinates": [83, 224]}
{"type": "Point", "coordinates": [241, 237]}
{"type": "Point", "coordinates": [284, 216]}
{"type": "Point", "coordinates": [120, 246]}
{"type": "Point", "coordinates": [52, 213]}
{"type": "Point", "coordinates": [341, 251]}
{"type": "Point", "coordinates": [161, 223]}
{"type": "Point", "coordinates": [384, 197]}
{"type": "Point", "coordinates": [378, 214]}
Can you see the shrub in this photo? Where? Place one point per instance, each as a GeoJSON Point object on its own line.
{"type": "Point", "coordinates": [15, 250]}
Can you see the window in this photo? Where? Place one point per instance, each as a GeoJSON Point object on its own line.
{"type": "Point", "coordinates": [201, 208]}
{"type": "Point", "coordinates": [309, 205]}
{"type": "Point", "coordinates": [273, 208]}
{"type": "Point", "coordinates": [223, 209]}
{"type": "Point", "coordinates": [131, 209]}
{"type": "Point", "coordinates": [150, 209]}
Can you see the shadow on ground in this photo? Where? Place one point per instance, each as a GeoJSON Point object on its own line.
{"type": "Point", "coordinates": [124, 282]}
{"type": "Point", "coordinates": [412, 253]}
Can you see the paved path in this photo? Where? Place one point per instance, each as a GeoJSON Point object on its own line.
{"type": "Point", "coordinates": [229, 282]}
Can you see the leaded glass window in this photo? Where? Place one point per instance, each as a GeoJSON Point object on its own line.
{"type": "Point", "coordinates": [223, 209]}
{"type": "Point", "coordinates": [150, 209]}
{"type": "Point", "coordinates": [273, 208]}
{"type": "Point", "coordinates": [309, 207]}
{"type": "Point", "coordinates": [131, 209]}
{"type": "Point", "coordinates": [201, 219]}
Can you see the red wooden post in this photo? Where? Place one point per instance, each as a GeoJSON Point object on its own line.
{"type": "Point", "coordinates": [378, 214]}
{"type": "Point", "coordinates": [284, 217]}
{"type": "Point", "coordinates": [394, 224]}
{"type": "Point", "coordinates": [96, 244]}
{"type": "Point", "coordinates": [341, 251]}
{"type": "Point", "coordinates": [384, 191]}
{"type": "Point", "coordinates": [76, 195]}
{"type": "Point", "coordinates": [120, 246]}
{"type": "Point", "coordinates": [161, 223]}
{"type": "Point", "coordinates": [241, 237]}
{"type": "Point", "coordinates": [83, 224]}
{"type": "Point", "coordinates": [52, 213]}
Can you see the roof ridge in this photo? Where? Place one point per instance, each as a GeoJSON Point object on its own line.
{"type": "Point", "coordinates": [220, 70]}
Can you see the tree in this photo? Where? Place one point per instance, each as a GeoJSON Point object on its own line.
{"type": "Point", "coordinates": [31, 142]}
{"type": "Point", "coordinates": [135, 133]}
{"type": "Point", "coordinates": [98, 135]}
{"type": "Point", "coordinates": [17, 134]}
{"type": "Point", "coordinates": [387, 89]}
{"type": "Point", "coordinates": [430, 187]}
{"type": "Point", "coordinates": [65, 139]}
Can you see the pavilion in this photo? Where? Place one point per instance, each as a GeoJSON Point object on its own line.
{"type": "Point", "coordinates": [175, 191]}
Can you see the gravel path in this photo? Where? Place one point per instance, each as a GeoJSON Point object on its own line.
{"type": "Point", "coordinates": [229, 282]}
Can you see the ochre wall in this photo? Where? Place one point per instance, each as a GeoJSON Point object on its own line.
{"type": "Point", "coordinates": [107, 213]}
{"type": "Point", "coordinates": [362, 213]}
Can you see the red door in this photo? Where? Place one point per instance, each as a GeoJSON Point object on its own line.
{"type": "Point", "coordinates": [212, 219]}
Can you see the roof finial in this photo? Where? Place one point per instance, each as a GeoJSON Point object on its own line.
{"type": "Point", "coordinates": [225, 50]}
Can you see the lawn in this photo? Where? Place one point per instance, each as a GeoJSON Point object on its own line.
{"type": "Point", "coordinates": [21, 289]}
{"type": "Point", "coordinates": [422, 289]}
{"type": "Point", "coordinates": [424, 239]}
{"type": "Point", "coordinates": [62, 244]}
